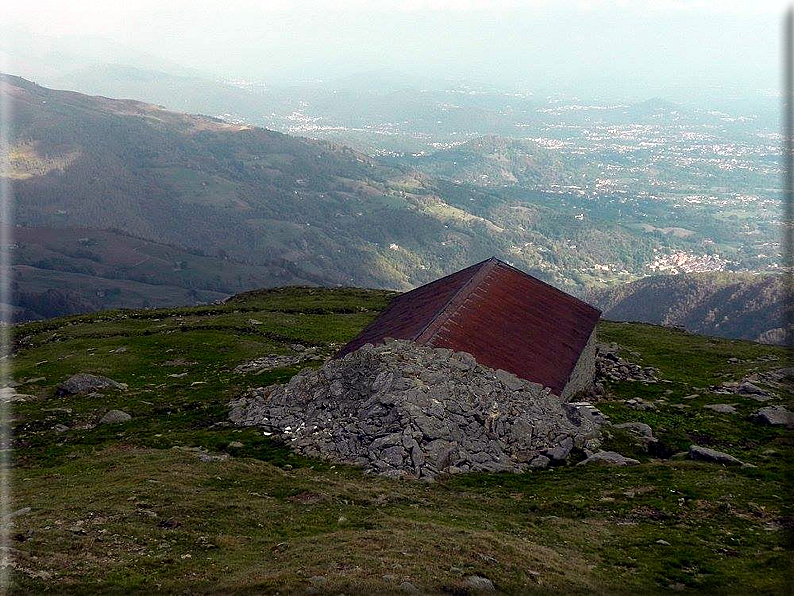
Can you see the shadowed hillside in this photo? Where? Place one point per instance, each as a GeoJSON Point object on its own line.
{"type": "Point", "coordinates": [741, 306]}
{"type": "Point", "coordinates": [63, 271]}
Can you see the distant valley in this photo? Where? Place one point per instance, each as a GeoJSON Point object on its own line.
{"type": "Point", "coordinates": [126, 204]}
{"type": "Point", "coordinates": [336, 216]}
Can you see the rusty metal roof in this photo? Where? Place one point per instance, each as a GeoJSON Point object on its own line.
{"type": "Point", "coordinates": [502, 316]}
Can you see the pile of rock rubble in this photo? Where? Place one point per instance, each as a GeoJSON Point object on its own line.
{"type": "Point", "coordinates": [610, 366]}
{"type": "Point", "coordinates": [301, 356]}
{"type": "Point", "coordinates": [400, 409]}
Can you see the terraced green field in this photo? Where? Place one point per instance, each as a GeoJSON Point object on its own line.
{"type": "Point", "coordinates": [165, 503]}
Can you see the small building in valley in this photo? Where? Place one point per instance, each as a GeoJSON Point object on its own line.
{"type": "Point", "coordinates": [505, 318]}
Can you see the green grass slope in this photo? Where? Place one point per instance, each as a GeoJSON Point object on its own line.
{"type": "Point", "coordinates": [130, 507]}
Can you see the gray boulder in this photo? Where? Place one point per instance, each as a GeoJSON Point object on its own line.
{"type": "Point", "coordinates": [408, 588]}
{"type": "Point", "coordinates": [561, 451]}
{"type": "Point", "coordinates": [84, 383]}
{"type": "Point", "coordinates": [115, 416]}
{"type": "Point", "coordinates": [747, 388]}
{"type": "Point", "coordinates": [208, 457]}
{"type": "Point", "coordinates": [479, 583]}
{"type": "Point", "coordinates": [609, 458]}
{"type": "Point", "coordinates": [774, 416]}
{"type": "Point", "coordinates": [721, 408]}
{"type": "Point", "coordinates": [638, 428]}
{"type": "Point", "coordinates": [540, 462]}
{"type": "Point", "coordinates": [710, 455]}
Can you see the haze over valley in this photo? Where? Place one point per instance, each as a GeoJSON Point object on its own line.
{"type": "Point", "coordinates": [383, 177]}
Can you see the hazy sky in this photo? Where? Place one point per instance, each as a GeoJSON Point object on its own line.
{"type": "Point", "coordinates": [634, 48]}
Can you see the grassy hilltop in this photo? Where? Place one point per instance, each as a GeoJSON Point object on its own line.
{"type": "Point", "coordinates": [152, 506]}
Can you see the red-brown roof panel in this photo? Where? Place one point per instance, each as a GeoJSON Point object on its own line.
{"type": "Point", "coordinates": [502, 316]}
{"type": "Point", "coordinates": [410, 313]}
{"type": "Point", "coordinates": [517, 323]}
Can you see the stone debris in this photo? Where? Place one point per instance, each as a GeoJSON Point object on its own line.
{"type": "Point", "coordinates": [721, 408]}
{"type": "Point", "coordinates": [774, 416]}
{"type": "Point", "coordinates": [637, 403]}
{"type": "Point", "coordinates": [746, 388]}
{"type": "Point", "coordinates": [9, 395]}
{"type": "Point", "coordinates": [609, 458]}
{"type": "Point", "coordinates": [404, 410]}
{"type": "Point", "coordinates": [591, 411]}
{"type": "Point", "coordinates": [273, 362]}
{"type": "Point", "coordinates": [115, 416]}
{"type": "Point", "coordinates": [773, 378]}
{"type": "Point", "coordinates": [86, 383]}
{"type": "Point", "coordinates": [612, 367]}
{"type": "Point", "coordinates": [478, 583]}
{"type": "Point", "coordinates": [710, 455]}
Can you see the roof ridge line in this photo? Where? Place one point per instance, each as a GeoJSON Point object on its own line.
{"type": "Point", "coordinates": [443, 315]}
{"type": "Point", "coordinates": [548, 285]}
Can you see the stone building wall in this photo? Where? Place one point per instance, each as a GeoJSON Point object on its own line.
{"type": "Point", "coordinates": [583, 375]}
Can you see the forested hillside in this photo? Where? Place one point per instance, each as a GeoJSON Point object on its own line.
{"type": "Point", "coordinates": [497, 161]}
{"type": "Point", "coordinates": [741, 306]}
{"type": "Point", "coordinates": [63, 271]}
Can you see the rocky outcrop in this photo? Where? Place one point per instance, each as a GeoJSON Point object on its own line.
{"type": "Point", "coordinates": [777, 378]}
{"type": "Point", "coordinates": [780, 378]}
{"type": "Point", "coordinates": [266, 363]}
{"type": "Point", "coordinates": [774, 416]}
{"type": "Point", "coordinates": [608, 458]}
{"type": "Point", "coordinates": [721, 408]}
{"type": "Point", "coordinates": [710, 455]}
{"type": "Point", "coordinates": [609, 366]}
{"type": "Point", "coordinates": [115, 416]}
{"type": "Point", "coordinates": [743, 388]}
{"type": "Point", "coordinates": [85, 383]}
{"type": "Point", "coordinates": [404, 410]}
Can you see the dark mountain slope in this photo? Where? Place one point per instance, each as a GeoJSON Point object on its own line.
{"type": "Point", "coordinates": [741, 306]}
{"type": "Point", "coordinates": [74, 270]}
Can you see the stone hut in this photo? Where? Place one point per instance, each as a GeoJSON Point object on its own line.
{"type": "Point", "coordinates": [505, 318]}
